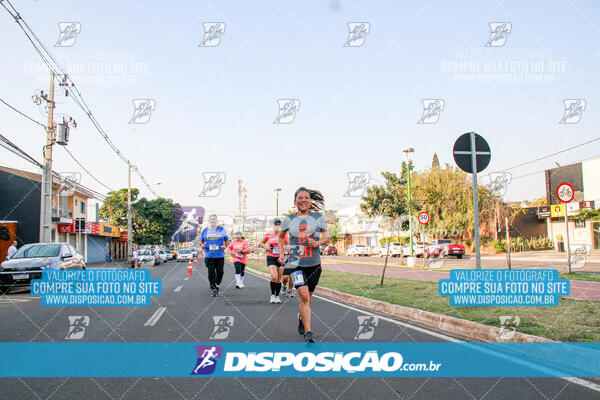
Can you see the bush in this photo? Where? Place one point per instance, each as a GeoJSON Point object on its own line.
{"type": "Point", "coordinates": [487, 240]}
{"type": "Point", "coordinates": [498, 245]}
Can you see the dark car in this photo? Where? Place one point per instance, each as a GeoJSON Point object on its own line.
{"type": "Point", "coordinates": [30, 260]}
{"type": "Point", "coordinates": [330, 251]}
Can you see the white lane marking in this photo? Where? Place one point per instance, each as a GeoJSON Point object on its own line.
{"type": "Point", "coordinates": [186, 278]}
{"type": "Point", "coordinates": [154, 318]}
{"type": "Point", "coordinates": [577, 381]}
{"type": "Point", "coordinates": [178, 288]}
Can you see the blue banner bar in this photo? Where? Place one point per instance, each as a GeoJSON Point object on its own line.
{"type": "Point", "coordinates": [223, 359]}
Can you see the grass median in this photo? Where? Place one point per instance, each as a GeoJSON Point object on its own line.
{"type": "Point", "coordinates": [570, 321]}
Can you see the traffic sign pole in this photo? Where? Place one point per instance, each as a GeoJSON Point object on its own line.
{"type": "Point", "coordinates": [475, 201]}
{"type": "Point", "coordinates": [565, 194]}
{"type": "Point", "coordinates": [466, 150]}
{"type": "Point", "coordinates": [568, 244]}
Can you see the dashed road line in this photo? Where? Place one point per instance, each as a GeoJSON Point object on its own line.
{"type": "Point", "coordinates": [178, 288]}
{"type": "Point", "coordinates": [154, 318]}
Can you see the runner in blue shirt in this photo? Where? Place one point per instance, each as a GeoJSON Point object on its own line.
{"type": "Point", "coordinates": [214, 241]}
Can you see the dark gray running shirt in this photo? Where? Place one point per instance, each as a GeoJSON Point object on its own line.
{"type": "Point", "coordinates": [299, 229]}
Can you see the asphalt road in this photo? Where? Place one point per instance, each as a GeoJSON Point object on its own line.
{"type": "Point", "coordinates": [188, 317]}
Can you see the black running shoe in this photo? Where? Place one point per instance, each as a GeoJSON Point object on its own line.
{"type": "Point", "coordinates": [215, 292]}
{"type": "Point", "coordinates": [308, 337]}
{"type": "Point", "coordinates": [300, 326]}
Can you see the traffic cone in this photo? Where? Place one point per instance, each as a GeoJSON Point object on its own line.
{"type": "Point", "coordinates": [190, 270]}
{"type": "Point", "coordinates": [196, 262]}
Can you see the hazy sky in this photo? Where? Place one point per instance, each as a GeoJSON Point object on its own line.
{"type": "Point", "coordinates": [359, 105]}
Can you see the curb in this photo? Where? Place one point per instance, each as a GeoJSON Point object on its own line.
{"type": "Point", "coordinates": [439, 322]}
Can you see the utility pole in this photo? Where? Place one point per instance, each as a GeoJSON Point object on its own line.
{"type": "Point", "coordinates": [129, 228]}
{"type": "Point", "coordinates": [408, 152]}
{"type": "Point", "coordinates": [507, 242]}
{"type": "Point", "coordinates": [277, 202]}
{"type": "Point", "coordinates": [46, 206]}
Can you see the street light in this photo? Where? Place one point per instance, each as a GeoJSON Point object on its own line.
{"type": "Point", "coordinates": [408, 152]}
{"type": "Point", "coordinates": [277, 201]}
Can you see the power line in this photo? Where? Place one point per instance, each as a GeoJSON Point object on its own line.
{"type": "Point", "coordinates": [24, 115]}
{"type": "Point", "coordinates": [13, 148]}
{"type": "Point", "coordinates": [551, 155]}
{"type": "Point", "coordinates": [77, 98]}
{"type": "Point", "coordinates": [85, 169]}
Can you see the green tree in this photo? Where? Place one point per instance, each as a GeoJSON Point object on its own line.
{"type": "Point", "coordinates": [447, 196]}
{"type": "Point", "coordinates": [114, 208]}
{"type": "Point", "coordinates": [435, 163]}
{"type": "Point", "coordinates": [388, 200]}
{"type": "Point", "coordinates": [152, 220]}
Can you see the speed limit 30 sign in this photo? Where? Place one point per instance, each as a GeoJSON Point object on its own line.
{"type": "Point", "coordinates": [423, 218]}
{"type": "Point", "coordinates": [565, 192]}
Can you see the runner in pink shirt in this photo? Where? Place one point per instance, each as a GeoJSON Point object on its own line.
{"type": "Point", "coordinates": [239, 249]}
{"type": "Point", "coordinates": [270, 243]}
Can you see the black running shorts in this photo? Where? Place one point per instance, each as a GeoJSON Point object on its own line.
{"type": "Point", "coordinates": [273, 261]}
{"type": "Point", "coordinates": [311, 276]}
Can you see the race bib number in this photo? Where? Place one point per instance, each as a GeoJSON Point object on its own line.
{"type": "Point", "coordinates": [239, 254]}
{"type": "Point", "coordinates": [213, 247]}
{"type": "Point", "coordinates": [275, 250]}
{"type": "Point", "coordinates": [297, 278]}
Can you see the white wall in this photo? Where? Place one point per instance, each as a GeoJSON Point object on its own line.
{"type": "Point", "coordinates": [591, 179]}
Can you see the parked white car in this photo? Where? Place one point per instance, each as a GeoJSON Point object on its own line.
{"type": "Point", "coordinates": [395, 250]}
{"type": "Point", "coordinates": [184, 255]}
{"type": "Point", "coordinates": [163, 255]}
{"type": "Point", "coordinates": [146, 256]}
{"type": "Point", "coordinates": [357, 250]}
{"type": "Point", "coordinates": [417, 249]}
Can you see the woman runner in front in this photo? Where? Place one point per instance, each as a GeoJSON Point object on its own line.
{"type": "Point", "coordinates": [239, 249]}
{"type": "Point", "coordinates": [307, 230]}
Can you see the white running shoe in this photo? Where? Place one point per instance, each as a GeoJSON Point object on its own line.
{"type": "Point", "coordinates": [242, 285]}
{"type": "Point", "coordinates": [272, 299]}
{"type": "Point", "coordinates": [277, 300]}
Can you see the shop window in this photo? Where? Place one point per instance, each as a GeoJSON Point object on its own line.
{"type": "Point", "coordinates": [83, 207]}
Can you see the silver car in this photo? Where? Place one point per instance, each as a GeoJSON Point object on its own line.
{"type": "Point", "coordinates": [31, 259]}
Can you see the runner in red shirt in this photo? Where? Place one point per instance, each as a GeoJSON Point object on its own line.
{"type": "Point", "coordinates": [270, 243]}
{"type": "Point", "coordinates": [239, 249]}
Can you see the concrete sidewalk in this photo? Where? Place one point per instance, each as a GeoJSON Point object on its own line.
{"type": "Point", "coordinates": [581, 290]}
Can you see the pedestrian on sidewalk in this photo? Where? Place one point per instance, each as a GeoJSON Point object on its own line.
{"type": "Point", "coordinates": [134, 258]}
{"type": "Point", "coordinates": [239, 249]}
{"type": "Point", "coordinates": [12, 249]}
{"type": "Point", "coordinates": [214, 241]}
